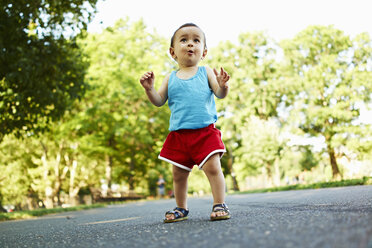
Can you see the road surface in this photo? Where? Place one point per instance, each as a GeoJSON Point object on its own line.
{"type": "Point", "coordinates": [334, 217]}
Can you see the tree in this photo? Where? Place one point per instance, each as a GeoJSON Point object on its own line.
{"type": "Point", "coordinates": [20, 172]}
{"type": "Point", "coordinates": [123, 127]}
{"type": "Point", "coordinates": [43, 170]}
{"type": "Point", "coordinates": [256, 88]}
{"type": "Point", "coordinates": [261, 148]}
{"type": "Point", "coordinates": [41, 69]}
{"type": "Point", "coordinates": [334, 77]}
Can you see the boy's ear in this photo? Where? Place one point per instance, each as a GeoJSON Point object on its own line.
{"type": "Point", "coordinates": [204, 53]}
{"type": "Point", "coordinates": [171, 52]}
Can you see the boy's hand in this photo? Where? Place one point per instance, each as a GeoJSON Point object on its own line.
{"type": "Point", "coordinates": [147, 80]}
{"type": "Point", "coordinates": [222, 78]}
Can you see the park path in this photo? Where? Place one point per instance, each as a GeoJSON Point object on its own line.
{"type": "Point", "coordinates": [334, 217]}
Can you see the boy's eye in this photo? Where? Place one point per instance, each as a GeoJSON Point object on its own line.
{"type": "Point", "coordinates": [183, 40]}
{"type": "Point", "coordinates": [197, 40]}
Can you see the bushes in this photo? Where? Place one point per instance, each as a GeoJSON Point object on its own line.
{"type": "Point", "coordinates": [342, 183]}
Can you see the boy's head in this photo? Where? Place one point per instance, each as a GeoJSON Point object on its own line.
{"type": "Point", "coordinates": [189, 24]}
{"type": "Point", "coordinates": [188, 45]}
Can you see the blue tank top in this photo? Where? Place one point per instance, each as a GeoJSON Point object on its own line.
{"type": "Point", "coordinates": [191, 101]}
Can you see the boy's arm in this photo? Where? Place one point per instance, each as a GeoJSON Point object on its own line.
{"type": "Point", "coordinates": [218, 82]}
{"type": "Point", "coordinates": [158, 98]}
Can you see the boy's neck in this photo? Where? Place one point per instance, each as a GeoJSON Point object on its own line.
{"type": "Point", "coordinates": [188, 68]}
{"type": "Point", "coordinates": [187, 71]}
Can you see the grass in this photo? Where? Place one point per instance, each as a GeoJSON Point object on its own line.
{"type": "Point", "coordinates": [27, 214]}
{"type": "Point", "coordinates": [341, 183]}
{"type": "Point", "coordinates": [39, 212]}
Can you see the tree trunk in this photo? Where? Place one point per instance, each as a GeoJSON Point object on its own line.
{"type": "Point", "coordinates": [276, 176]}
{"type": "Point", "coordinates": [108, 171]}
{"type": "Point", "coordinates": [109, 164]}
{"type": "Point", "coordinates": [58, 184]}
{"type": "Point", "coordinates": [230, 162]}
{"type": "Point", "coordinates": [332, 158]}
{"type": "Point", "coordinates": [73, 190]}
{"type": "Point", "coordinates": [31, 202]}
{"type": "Point", "coordinates": [269, 175]}
{"type": "Point", "coordinates": [131, 176]}
{"type": "Point", "coordinates": [48, 202]}
{"type": "Point", "coordinates": [2, 209]}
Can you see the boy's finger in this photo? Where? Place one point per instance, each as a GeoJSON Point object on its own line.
{"type": "Point", "coordinates": [215, 71]}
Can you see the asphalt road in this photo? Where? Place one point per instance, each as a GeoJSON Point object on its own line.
{"type": "Point", "coordinates": [335, 217]}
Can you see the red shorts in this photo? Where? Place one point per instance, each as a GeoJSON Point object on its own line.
{"type": "Point", "coordinates": [188, 147]}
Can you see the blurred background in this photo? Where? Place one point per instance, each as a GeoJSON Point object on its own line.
{"type": "Point", "coordinates": [76, 126]}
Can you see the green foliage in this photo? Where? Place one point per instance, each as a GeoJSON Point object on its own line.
{"type": "Point", "coordinates": [41, 71]}
{"type": "Point", "coordinates": [198, 183]}
{"type": "Point", "coordinates": [341, 183]}
{"type": "Point", "coordinates": [16, 163]}
{"type": "Point", "coordinates": [118, 122]}
{"type": "Point", "coordinates": [40, 212]}
{"type": "Point", "coordinates": [114, 127]}
{"type": "Point", "coordinates": [333, 76]}
{"type": "Point", "coordinates": [308, 160]}
{"type": "Point", "coordinates": [41, 168]}
{"type": "Point", "coordinates": [256, 89]}
{"type": "Point", "coordinates": [315, 88]}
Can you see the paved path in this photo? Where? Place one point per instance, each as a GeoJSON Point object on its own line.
{"type": "Point", "coordinates": [336, 217]}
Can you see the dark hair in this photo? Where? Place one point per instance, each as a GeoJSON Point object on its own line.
{"type": "Point", "coordinates": [189, 24]}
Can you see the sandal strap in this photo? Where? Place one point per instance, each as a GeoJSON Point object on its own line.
{"type": "Point", "coordinates": [222, 207]}
{"type": "Point", "coordinates": [177, 212]}
{"type": "Point", "coordinates": [184, 212]}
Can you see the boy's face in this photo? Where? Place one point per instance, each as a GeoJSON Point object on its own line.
{"type": "Point", "coordinates": [188, 46]}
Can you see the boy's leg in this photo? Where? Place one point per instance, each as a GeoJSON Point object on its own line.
{"type": "Point", "coordinates": [180, 177]}
{"type": "Point", "coordinates": [213, 171]}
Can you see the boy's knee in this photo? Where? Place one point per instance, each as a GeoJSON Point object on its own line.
{"type": "Point", "coordinates": [179, 174]}
{"type": "Point", "coordinates": [213, 165]}
{"type": "Point", "coordinates": [212, 169]}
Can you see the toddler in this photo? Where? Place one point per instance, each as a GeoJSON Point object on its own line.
{"type": "Point", "coordinates": [193, 138]}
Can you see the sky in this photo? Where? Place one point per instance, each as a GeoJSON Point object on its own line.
{"type": "Point", "coordinates": [225, 20]}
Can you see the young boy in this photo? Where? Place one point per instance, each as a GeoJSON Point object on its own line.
{"type": "Point", "coordinates": [193, 138]}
